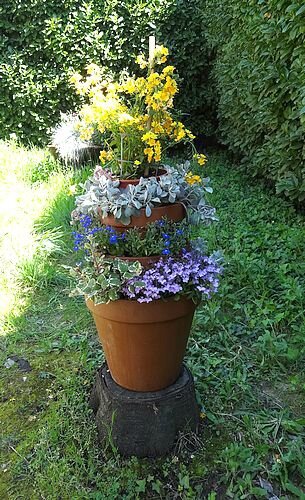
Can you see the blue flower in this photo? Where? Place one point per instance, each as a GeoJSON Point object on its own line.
{"type": "Point", "coordinates": [113, 239]}
{"type": "Point", "coordinates": [179, 232]}
{"type": "Point", "coordinates": [166, 251]}
{"type": "Point", "coordinates": [86, 221]}
{"type": "Point", "coordinates": [165, 236]}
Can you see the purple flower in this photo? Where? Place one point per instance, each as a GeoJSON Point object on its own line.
{"type": "Point", "coordinates": [192, 273]}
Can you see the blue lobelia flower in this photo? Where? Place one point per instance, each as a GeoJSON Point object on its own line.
{"type": "Point", "coordinates": [113, 239]}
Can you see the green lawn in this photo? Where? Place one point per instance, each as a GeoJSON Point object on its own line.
{"type": "Point", "coordinates": [246, 352]}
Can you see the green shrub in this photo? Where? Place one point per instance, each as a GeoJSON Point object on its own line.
{"type": "Point", "coordinates": [183, 31]}
{"type": "Point", "coordinates": [43, 41]}
{"type": "Point", "coordinates": [259, 74]}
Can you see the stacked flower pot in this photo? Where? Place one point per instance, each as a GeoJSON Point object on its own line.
{"type": "Point", "coordinates": [142, 274]}
{"type": "Point", "coordinates": [144, 343]}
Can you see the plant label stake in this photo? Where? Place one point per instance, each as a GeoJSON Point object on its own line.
{"type": "Point", "coordinates": [151, 48]}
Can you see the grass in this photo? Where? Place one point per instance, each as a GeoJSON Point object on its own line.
{"type": "Point", "coordinates": [246, 352]}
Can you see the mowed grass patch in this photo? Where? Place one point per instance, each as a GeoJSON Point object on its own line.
{"type": "Point", "coordinates": [246, 353]}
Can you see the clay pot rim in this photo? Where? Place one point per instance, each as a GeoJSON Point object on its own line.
{"type": "Point", "coordinates": [143, 312]}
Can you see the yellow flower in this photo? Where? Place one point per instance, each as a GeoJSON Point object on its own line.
{"type": "Point", "coordinates": [192, 179]}
{"type": "Point", "coordinates": [156, 106]}
{"type": "Point", "coordinates": [201, 159]}
{"type": "Point", "coordinates": [141, 61]}
{"type": "Point", "coordinates": [168, 124]}
{"type": "Point", "coordinates": [141, 122]}
{"type": "Point", "coordinates": [140, 84]}
{"type": "Point", "coordinates": [168, 70]}
{"type": "Point", "coordinates": [170, 86]}
{"type": "Point", "coordinates": [157, 127]}
{"type": "Point", "coordinates": [137, 162]}
{"type": "Point", "coordinates": [153, 80]}
{"type": "Point", "coordinates": [150, 138]}
{"type": "Point", "coordinates": [129, 86]}
{"type": "Point", "coordinates": [103, 156]}
{"type": "Point", "coordinates": [162, 95]}
{"type": "Point", "coordinates": [179, 132]}
{"type": "Point", "coordinates": [149, 152]}
{"type": "Point", "coordinates": [75, 78]}
{"type": "Point", "coordinates": [85, 133]}
{"type": "Point", "coordinates": [160, 54]}
{"type": "Point", "coordinates": [189, 134]}
{"type": "Point", "coordinates": [157, 151]}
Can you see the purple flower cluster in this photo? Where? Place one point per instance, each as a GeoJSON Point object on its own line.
{"type": "Point", "coordinates": [192, 274]}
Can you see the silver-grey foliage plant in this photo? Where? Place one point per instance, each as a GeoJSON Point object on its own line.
{"type": "Point", "coordinates": [103, 196]}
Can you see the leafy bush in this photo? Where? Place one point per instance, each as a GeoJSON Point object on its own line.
{"type": "Point", "coordinates": [260, 55]}
{"type": "Point", "coordinates": [183, 31]}
{"type": "Point", "coordinates": [43, 41]}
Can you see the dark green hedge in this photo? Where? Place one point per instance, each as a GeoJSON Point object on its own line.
{"type": "Point", "coordinates": [259, 50]}
{"type": "Point", "coordinates": [43, 40]}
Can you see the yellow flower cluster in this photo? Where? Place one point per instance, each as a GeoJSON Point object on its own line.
{"type": "Point", "coordinates": [159, 57]}
{"type": "Point", "coordinates": [105, 156]}
{"type": "Point", "coordinates": [192, 179]}
{"type": "Point", "coordinates": [160, 89]}
{"type": "Point", "coordinates": [201, 159]}
{"type": "Point", "coordinates": [134, 114]}
{"type": "Point", "coordinates": [153, 152]}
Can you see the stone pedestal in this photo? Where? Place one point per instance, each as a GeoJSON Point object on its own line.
{"type": "Point", "coordinates": [144, 424]}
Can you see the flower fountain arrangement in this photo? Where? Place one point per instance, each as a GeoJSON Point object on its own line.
{"type": "Point", "coordinates": [142, 273]}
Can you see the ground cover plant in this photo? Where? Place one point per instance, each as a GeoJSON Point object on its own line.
{"type": "Point", "coordinates": [246, 351]}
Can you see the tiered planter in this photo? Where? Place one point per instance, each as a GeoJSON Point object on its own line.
{"type": "Point", "coordinates": [144, 343]}
{"type": "Point", "coordinates": [143, 397]}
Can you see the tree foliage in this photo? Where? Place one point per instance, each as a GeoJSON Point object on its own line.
{"type": "Point", "coordinates": [43, 41]}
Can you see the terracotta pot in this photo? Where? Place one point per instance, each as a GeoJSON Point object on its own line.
{"type": "Point", "coordinates": [144, 344]}
{"type": "Point", "coordinates": [174, 212]}
{"type": "Point", "coordinates": [125, 182]}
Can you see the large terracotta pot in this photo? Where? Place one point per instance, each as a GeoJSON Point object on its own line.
{"type": "Point", "coordinates": [174, 212]}
{"type": "Point", "coordinates": [144, 343]}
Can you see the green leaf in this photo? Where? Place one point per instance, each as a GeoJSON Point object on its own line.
{"type": "Point", "coordinates": [300, 11]}
{"type": "Point", "coordinates": [295, 490]}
